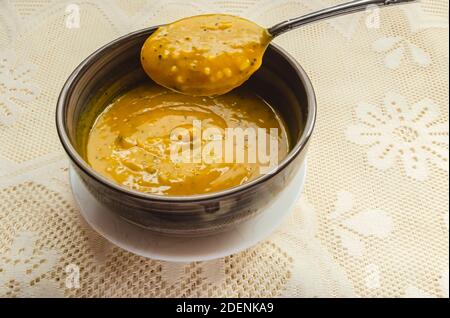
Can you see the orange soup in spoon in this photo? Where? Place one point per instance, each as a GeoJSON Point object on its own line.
{"type": "Point", "coordinates": [205, 55]}
{"type": "Point", "coordinates": [212, 54]}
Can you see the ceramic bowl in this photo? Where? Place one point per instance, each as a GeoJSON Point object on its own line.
{"type": "Point", "coordinates": [115, 68]}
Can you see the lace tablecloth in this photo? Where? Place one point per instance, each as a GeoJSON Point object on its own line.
{"type": "Point", "coordinates": [372, 221]}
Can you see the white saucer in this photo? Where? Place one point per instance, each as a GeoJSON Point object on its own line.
{"type": "Point", "coordinates": [140, 241]}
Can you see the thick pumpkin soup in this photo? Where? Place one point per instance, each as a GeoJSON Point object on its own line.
{"type": "Point", "coordinates": [139, 139]}
{"type": "Point", "coordinates": [206, 54]}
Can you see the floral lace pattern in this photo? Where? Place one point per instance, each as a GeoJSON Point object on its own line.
{"type": "Point", "coordinates": [352, 228]}
{"type": "Point", "coordinates": [415, 134]}
{"type": "Point", "coordinates": [395, 47]}
{"type": "Point", "coordinates": [15, 86]}
{"type": "Point", "coordinates": [23, 269]}
{"type": "Point", "coordinates": [377, 165]}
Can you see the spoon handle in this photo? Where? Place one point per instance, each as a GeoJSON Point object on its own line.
{"type": "Point", "coordinates": [341, 9]}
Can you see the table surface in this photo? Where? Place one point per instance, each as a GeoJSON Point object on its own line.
{"type": "Point", "coordinates": [372, 221]}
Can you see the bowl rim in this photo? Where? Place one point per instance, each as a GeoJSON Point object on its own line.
{"type": "Point", "coordinates": [76, 158]}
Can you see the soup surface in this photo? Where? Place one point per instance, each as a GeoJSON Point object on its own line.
{"type": "Point", "coordinates": [206, 54]}
{"type": "Point", "coordinates": [132, 140]}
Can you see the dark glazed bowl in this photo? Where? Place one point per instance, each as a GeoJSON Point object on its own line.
{"type": "Point", "coordinates": [116, 67]}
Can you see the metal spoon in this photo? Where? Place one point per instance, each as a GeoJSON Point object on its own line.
{"type": "Point", "coordinates": [207, 72]}
{"type": "Point", "coordinates": [341, 9]}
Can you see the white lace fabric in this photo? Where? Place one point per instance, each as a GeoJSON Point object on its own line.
{"type": "Point", "coordinates": [372, 222]}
